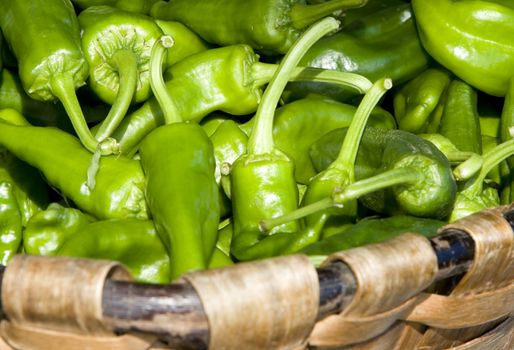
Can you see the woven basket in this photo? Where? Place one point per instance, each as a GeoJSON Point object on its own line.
{"type": "Point", "coordinates": [398, 301]}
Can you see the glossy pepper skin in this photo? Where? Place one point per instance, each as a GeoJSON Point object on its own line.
{"type": "Point", "coordinates": [138, 6]}
{"type": "Point", "coordinates": [134, 243]}
{"type": "Point", "coordinates": [10, 222]}
{"type": "Point", "coordinates": [432, 196]}
{"type": "Point", "coordinates": [119, 189]}
{"type": "Point", "coordinates": [182, 193]}
{"type": "Point", "coordinates": [477, 43]}
{"type": "Point", "coordinates": [270, 26]}
{"type": "Point", "coordinates": [382, 44]}
{"type": "Point", "coordinates": [47, 230]}
{"type": "Point", "coordinates": [45, 38]}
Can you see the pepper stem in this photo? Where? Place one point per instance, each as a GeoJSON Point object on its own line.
{"type": "Point", "coordinates": [263, 72]}
{"type": "Point", "coordinates": [348, 153]}
{"type": "Point", "coordinates": [261, 138]}
{"type": "Point", "coordinates": [304, 15]}
{"type": "Point", "coordinates": [64, 89]}
{"type": "Point", "coordinates": [491, 159]}
{"type": "Point", "coordinates": [125, 62]}
{"type": "Point", "coordinates": [353, 191]}
{"type": "Point", "coordinates": [169, 109]}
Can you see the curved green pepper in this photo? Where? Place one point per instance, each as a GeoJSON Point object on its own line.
{"type": "Point", "coordinates": [383, 44]}
{"type": "Point", "coordinates": [139, 6]}
{"type": "Point", "coordinates": [134, 243]}
{"type": "Point", "coordinates": [473, 39]}
{"type": "Point", "coordinates": [270, 26]}
{"type": "Point", "coordinates": [47, 230]}
{"type": "Point", "coordinates": [64, 162]}
{"type": "Point", "coordinates": [45, 38]}
{"type": "Point", "coordinates": [117, 46]}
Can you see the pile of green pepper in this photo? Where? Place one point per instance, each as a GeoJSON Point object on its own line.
{"type": "Point", "coordinates": [175, 136]}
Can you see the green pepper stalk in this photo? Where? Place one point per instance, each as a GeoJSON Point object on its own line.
{"type": "Point", "coordinates": [137, 6]}
{"type": "Point", "coordinates": [417, 100]}
{"type": "Point", "coordinates": [47, 230]}
{"type": "Point", "coordinates": [474, 197]}
{"type": "Point", "coordinates": [450, 151]}
{"type": "Point", "coordinates": [270, 26]}
{"type": "Point", "coordinates": [45, 38]}
{"type": "Point", "coordinates": [382, 44]}
{"type": "Point", "coordinates": [181, 189]}
{"type": "Point", "coordinates": [477, 43]}
{"type": "Point", "coordinates": [262, 180]}
{"type": "Point", "coordinates": [411, 177]}
{"type": "Point", "coordinates": [64, 162]}
{"type": "Point", "coordinates": [134, 243]}
{"type": "Point", "coordinates": [340, 173]}
{"type": "Point", "coordinates": [117, 46]}
{"type": "Point", "coordinates": [228, 79]}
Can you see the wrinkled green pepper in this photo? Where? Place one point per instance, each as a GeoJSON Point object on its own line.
{"type": "Point", "coordinates": [134, 243]}
{"type": "Point", "coordinates": [473, 39]}
{"type": "Point", "coordinates": [270, 26]}
{"type": "Point", "coordinates": [383, 44]}
{"type": "Point", "coordinates": [119, 188]}
{"type": "Point", "coordinates": [45, 38]}
{"type": "Point", "coordinates": [47, 230]}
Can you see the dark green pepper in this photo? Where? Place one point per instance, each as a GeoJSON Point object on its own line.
{"type": "Point", "coordinates": [45, 38]}
{"type": "Point", "coordinates": [181, 189]}
{"type": "Point", "coordinates": [270, 26]}
{"type": "Point", "coordinates": [64, 162]}
{"type": "Point", "coordinates": [473, 39]}
{"type": "Point", "coordinates": [383, 44]}
{"type": "Point", "coordinates": [47, 230]}
{"type": "Point", "coordinates": [134, 243]}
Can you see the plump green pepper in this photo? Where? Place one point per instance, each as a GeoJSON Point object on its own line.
{"type": "Point", "coordinates": [64, 162]}
{"type": "Point", "coordinates": [227, 79]}
{"type": "Point", "coordinates": [134, 243]}
{"type": "Point", "coordinates": [181, 189]}
{"type": "Point", "coordinates": [45, 38]}
{"type": "Point", "coordinates": [47, 230]}
{"type": "Point", "coordinates": [270, 26]}
{"type": "Point", "coordinates": [139, 6]}
{"type": "Point", "coordinates": [382, 44]}
{"type": "Point", "coordinates": [473, 39]}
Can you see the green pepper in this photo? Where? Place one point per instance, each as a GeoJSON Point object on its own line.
{"type": "Point", "coordinates": [269, 26]}
{"type": "Point", "coordinates": [385, 43]}
{"type": "Point", "coordinates": [416, 103]}
{"type": "Point", "coordinates": [371, 231]}
{"type": "Point", "coordinates": [450, 151]}
{"type": "Point", "coordinates": [262, 180]}
{"type": "Point", "coordinates": [117, 45]}
{"type": "Point", "coordinates": [417, 175]}
{"type": "Point", "coordinates": [47, 230]}
{"type": "Point", "coordinates": [63, 161]}
{"type": "Point", "coordinates": [460, 122]}
{"type": "Point", "coordinates": [473, 39]}
{"type": "Point", "coordinates": [490, 126]}
{"type": "Point", "coordinates": [506, 133]}
{"type": "Point", "coordinates": [228, 79]}
{"type": "Point", "coordinates": [134, 243]}
{"type": "Point", "coordinates": [181, 189]}
{"type": "Point", "coordinates": [10, 222]}
{"type": "Point", "coordinates": [45, 38]}
{"type": "Point", "coordinates": [138, 6]}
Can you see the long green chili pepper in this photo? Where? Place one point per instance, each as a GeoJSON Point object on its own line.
{"type": "Point", "coordinates": [138, 6]}
{"type": "Point", "coordinates": [262, 180]}
{"type": "Point", "coordinates": [64, 162]}
{"type": "Point", "coordinates": [49, 229]}
{"type": "Point", "coordinates": [117, 45]}
{"type": "Point", "coordinates": [45, 38]}
{"type": "Point", "coordinates": [181, 189]}
{"type": "Point", "coordinates": [134, 243]}
{"type": "Point", "coordinates": [270, 26]}
{"type": "Point", "coordinates": [460, 122]}
{"type": "Point", "coordinates": [477, 42]}
{"type": "Point", "coordinates": [228, 79]}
